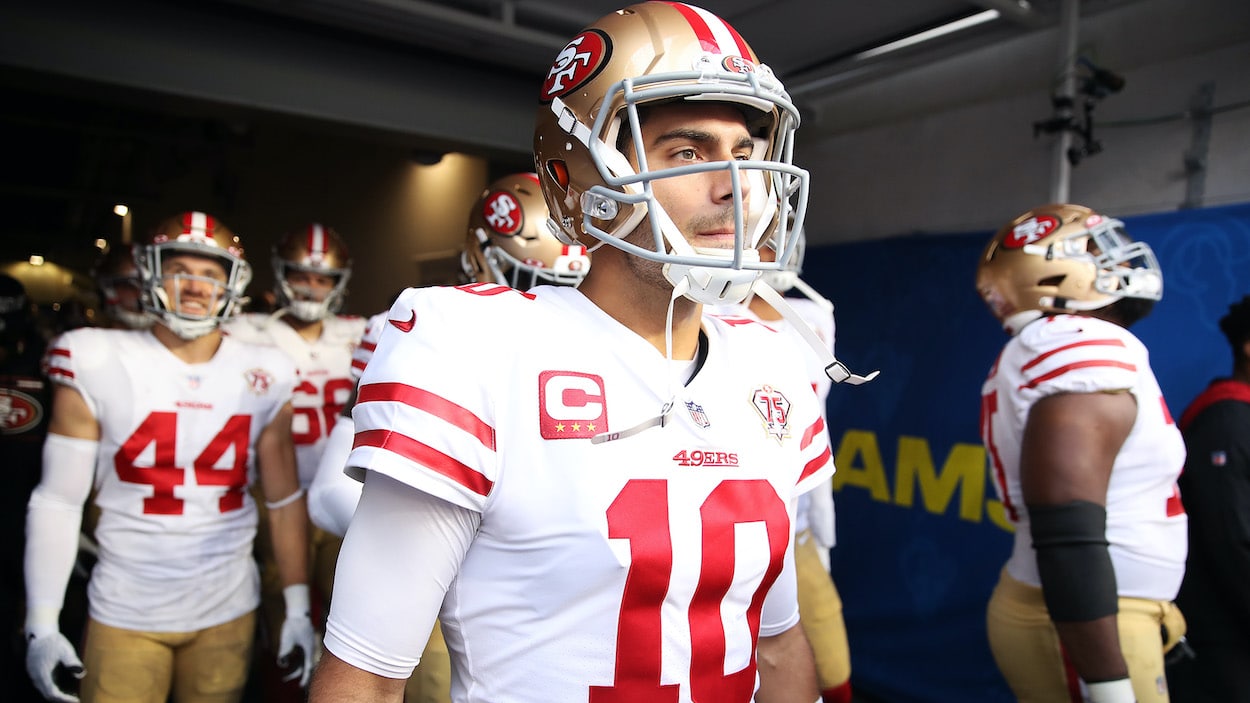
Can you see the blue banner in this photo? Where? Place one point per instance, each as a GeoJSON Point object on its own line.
{"type": "Point", "coordinates": [921, 535]}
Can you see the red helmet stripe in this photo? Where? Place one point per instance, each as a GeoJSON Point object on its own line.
{"type": "Point", "coordinates": [197, 224]}
{"type": "Point", "coordinates": [316, 239]}
{"type": "Point", "coordinates": [712, 31]}
{"type": "Point", "coordinates": [533, 177]}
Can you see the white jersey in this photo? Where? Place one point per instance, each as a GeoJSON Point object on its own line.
{"type": "Point", "coordinates": [325, 380]}
{"type": "Point", "coordinates": [547, 604]}
{"type": "Point", "coordinates": [820, 319]}
{"type": "Point", "coordinates": [1146, 526]}
{"type": "Point", "coordinates": [175, 460]}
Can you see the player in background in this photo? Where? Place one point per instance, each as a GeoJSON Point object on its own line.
{"type": "Point", "coordinates": [507, 243]}
{"type": "Point", "coordinates": [600, 508]}
{"type": "Point", "coordinates": [121, 290]}
{"type": "Point", "coordinates": [311, 269]}
{"type": "Point", "coordinates": [167, 427]}
{"type": "Point", "coordinates": [1085, 456]}
{"type": "Point", "coordinates": [1216, 489]}
{"type": "Point", "coordinates": [820, 605]}
{"type": "Point", "coordinates": [25, 402]}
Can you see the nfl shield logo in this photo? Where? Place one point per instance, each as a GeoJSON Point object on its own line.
{"type": "Point", "coordinates": [697, 414]}
{"type": "Point", "coordinates": [1219, 458]}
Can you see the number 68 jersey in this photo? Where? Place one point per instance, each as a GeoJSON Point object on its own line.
{"type": "Point", "coordinates": [175, 459]}
{"type": "Point", "coordinates": [617, 570]}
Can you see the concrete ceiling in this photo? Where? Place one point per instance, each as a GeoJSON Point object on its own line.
{"type": "Point", "coordinates": [100, 102]}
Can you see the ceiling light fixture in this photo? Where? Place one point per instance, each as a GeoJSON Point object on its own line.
{"type": "Point", "coordinates": [929, 34]}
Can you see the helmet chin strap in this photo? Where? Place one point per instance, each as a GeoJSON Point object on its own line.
{"type": "Point", "coordinates": [834, 369]}
{"type": "Point", "coordinates": [679, 289]}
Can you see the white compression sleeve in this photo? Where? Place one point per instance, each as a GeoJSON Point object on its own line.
{"type": "Point", "coordinates": [401, 554]}
{"type": "Point", "coordinates": [333, 495]}
{"type": "Point", "coordinates": [53, 520]}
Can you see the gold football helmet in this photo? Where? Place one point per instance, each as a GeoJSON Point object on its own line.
{"type": "Point", "coordinates": [509, 243]}
{"type": "Point", "coordinates": [651, 53]}
{"type": "Point", "coordinates": [313, 248]}
{"type": "Point", "coordinates": [197, 234]}
{"type": "Point", "coordinates": [121, 288]}
{"type": "Point", "coordinates": [1063, 258]}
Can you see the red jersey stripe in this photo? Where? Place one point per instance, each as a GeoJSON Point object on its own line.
{"type": "Point", "coordinates": [426, 456]}
{"type": "Point", "coordinates": [64, 373]}
{"type": "Point", "coordinates": [1086, 343]}
{"type": "Point", "coordinates": [816, 464]}
{"type": "Point", "coordinates": [811, 433]}
{"type": "Point", "coordinates": [1079, 365]}
{"type": "Point", "coordinates": [431, 403]}
{"type": "Point", "coordinates": [59, 351]}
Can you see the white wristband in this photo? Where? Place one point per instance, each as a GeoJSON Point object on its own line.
{"type": "Point", "coordinates": [297, 600]}
{"type": "Point", "coordinates": [1118, 691]}
{"type": "Point", "coordinates": [283, 502]}
{"type": "Point", "coordinates": [41, 621]}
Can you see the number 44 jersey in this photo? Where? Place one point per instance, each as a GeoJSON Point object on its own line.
{"type": "Point", "coordinates": [176, 457]}
{"type": "Point", "coordinates": [629, 569]}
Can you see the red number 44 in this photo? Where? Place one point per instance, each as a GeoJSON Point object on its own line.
{"type": "Point", "coordinates": [161, 429]}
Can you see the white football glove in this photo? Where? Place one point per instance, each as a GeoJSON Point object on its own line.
{"type": "Point", "coordinates": [45, 651]}
{"type": "Point", "coordinates": [297, 645]}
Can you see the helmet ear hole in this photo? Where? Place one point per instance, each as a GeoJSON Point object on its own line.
{"type": "Point", "coordinates": [1055, 281]}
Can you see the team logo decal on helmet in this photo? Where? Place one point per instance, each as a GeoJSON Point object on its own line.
{"type": "Point", "coordinates": [503, 213]}
{"type": "Point", "coordinates": [1030, 231]}
{"type": "Point", "coordinates": [577, 64]}
{"type": "Point", "coordinates": [737, 64]}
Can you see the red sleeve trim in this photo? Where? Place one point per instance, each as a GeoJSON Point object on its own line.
{"type": "Point", "coordinates": [431, 403]}
{"type": "Point", "coordinates": [426, 456]}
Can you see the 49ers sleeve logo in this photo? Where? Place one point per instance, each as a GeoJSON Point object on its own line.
{"type": "Point", "coordinates": [581, 60]}
{"type": "Point", "coordinates": [571, 405]}
{"type": "Point", "coordinates": [502, 211]}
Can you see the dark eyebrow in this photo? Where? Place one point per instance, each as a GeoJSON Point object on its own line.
{"type": "Point", "coordinates": [700, 137]}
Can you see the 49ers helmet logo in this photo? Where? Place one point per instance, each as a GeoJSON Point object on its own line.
{"type": "Point", "coordinates": [581, 60]}
{"type": "Point", "coordinates": [502, 211]}
{"type": "Point", "coordinates": [737, 64]}
{"type": "Point", "coordinates": [1030, 231]}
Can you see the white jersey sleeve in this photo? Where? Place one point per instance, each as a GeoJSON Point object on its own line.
{"type": "Point", "coordinates": [1146, 525]}
{"type": "Point", "coordinates": [176, 456]}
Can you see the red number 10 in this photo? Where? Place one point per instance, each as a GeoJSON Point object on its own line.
{"type": "Point", "coordinates": [640, 515]}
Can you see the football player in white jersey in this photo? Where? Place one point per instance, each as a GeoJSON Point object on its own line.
{"type": "Point", "coordinates": [167, 427]}
{"type": "Point", "coordinates": [592, 488]}
{"type": "Point", "coordinates": [820, 605]}
{"type": "Point", "coordinates": [507, 243]}
{"type": "Point", "coordinates": [1085, 456]}
{"type": "Point", "coordinates": [311, 268]}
